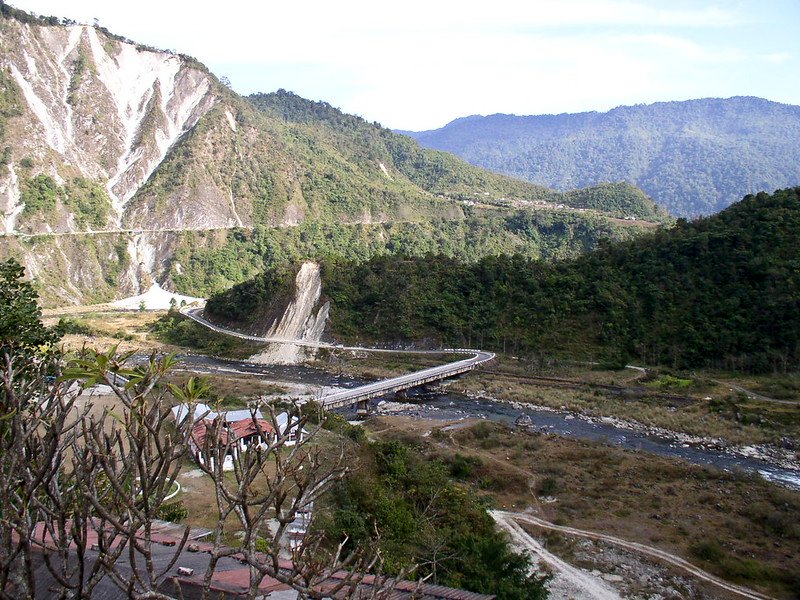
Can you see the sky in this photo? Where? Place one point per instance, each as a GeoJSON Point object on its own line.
{"type": "Point", "coordinates": [419, 64]}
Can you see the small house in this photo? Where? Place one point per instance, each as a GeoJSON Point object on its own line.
{"type": "Point", "coordinates": [239, 429]}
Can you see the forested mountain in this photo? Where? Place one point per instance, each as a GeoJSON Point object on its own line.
{"type": "Point", "coordinates": [721, 291]}
{"type": "Point", "coordinates": [122, 165]}
{"type": "Point", "coordinates": [693, 158]}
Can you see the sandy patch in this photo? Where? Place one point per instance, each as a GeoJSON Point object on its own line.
{"type": "Point", "coordinates": [156, 298]}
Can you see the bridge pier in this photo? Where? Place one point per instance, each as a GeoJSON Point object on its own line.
{"type": "Point", "coordinates": [362, 408]}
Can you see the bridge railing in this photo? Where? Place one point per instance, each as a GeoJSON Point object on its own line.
{"type": "Point", "coordinates": [371, 390]}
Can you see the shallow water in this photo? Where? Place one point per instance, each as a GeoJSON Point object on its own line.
{"type": "Point", "coordinates": [454, 406]}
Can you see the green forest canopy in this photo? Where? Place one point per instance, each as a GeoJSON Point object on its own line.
{"type": "Point", "coordinates": [721, 291]}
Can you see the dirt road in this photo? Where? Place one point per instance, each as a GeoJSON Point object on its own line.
{"type": "Point", "coordinates": [567, 581]}
{"type": "Point", "coordinates": [509, 521]}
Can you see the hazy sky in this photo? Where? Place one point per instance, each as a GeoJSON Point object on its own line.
{"type": "Point", "coordinates": [417, 64]}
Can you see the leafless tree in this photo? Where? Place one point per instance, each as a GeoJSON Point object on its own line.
{"type": "Point", "coordinates": [37, 424]}
{"type": "Point", "coordinates": [82, 486]}
{"type": "Point", "coordinates": [126, 462]}
{"type": "Point", "coordinates": [273, 483]}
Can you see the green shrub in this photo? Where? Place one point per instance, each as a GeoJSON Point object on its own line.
{"type": "Point", "coordinates": [708, 550]}
{"type": "Point", "coordinates": [747, 569]}
{"type": "Point", "coordinates": [40, 195]}
{"type": "Point", "coordinates": [173, 512]}
{"type": "Point", "coordinates": [482, 431]}
{"type": "Point", "coordinates": [262, 545]}
{"type": "Point", "coordinates": [339, 424]}
{"type": "Point", "coordinates": [75, 326]}
{"type": "Point", "coordinates": [548, 486]}
{"type": "Point", "coordinates": [463, 467]}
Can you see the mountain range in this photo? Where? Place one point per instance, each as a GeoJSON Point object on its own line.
{"type": "Point", "coordinates": [123, 165]}
{"type": "Point", "coordinates": [693, 158]}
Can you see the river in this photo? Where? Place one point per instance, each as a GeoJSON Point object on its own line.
{"type": "Point", "coordinates": [450, 406]}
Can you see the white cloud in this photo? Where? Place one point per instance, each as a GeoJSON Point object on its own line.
{"type": "Point", "coordinates": [778, 58]}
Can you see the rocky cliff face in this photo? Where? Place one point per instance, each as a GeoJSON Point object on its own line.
{"type": "Point", "coordinates": [94, 107]}
{"type": "Point", "coordinates": [304, 319]}
{"type": "Point", "coordinates": [88, 118]}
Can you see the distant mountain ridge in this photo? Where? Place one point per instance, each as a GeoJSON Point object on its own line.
{"type": "Point", "coordinates": [692, 157]}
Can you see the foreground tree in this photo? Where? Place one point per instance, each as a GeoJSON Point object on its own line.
{"type": "Point", "coordinates": [81, 487]}
{"type": "Point", "coordinates": [36, 423]}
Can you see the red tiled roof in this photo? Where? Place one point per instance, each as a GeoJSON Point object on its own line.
{"type": "Point", "coordinates": [239, 580]}
{"type": "Point", "coordinates": [202, 429]}
{"type": "Point", "coordinates": [247, 427]}
{"type": "Point", "coordinates": [238, 429]}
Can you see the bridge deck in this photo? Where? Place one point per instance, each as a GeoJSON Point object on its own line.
{"type": "Point", "coordinates": [362, 393]}
{"type": "Point", "coordinates": [395, 384]}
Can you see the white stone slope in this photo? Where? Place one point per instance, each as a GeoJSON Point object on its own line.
{"type": "Point", "coordinates": [10, 205]}
{"type": "Point", "coordinates": [156, 298]}
{"type": "Point", "coordinates": [114, 118]}
{"type": "Point", "coordinates": [303, 319]}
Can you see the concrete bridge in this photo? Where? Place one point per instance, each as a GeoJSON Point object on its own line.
{"type": "Point", "coordinates": [362, 394]}
{"type": "Point", "coordinates": [367, 392]}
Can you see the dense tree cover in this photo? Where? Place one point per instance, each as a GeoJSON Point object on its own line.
{"type": "Point", "coordinates": [622, 199]}
{"type": "Point", "coordinates": [424, 518]}
{"type": "Point", "coordinates": [243, 304]}
{"type": "Point", "coordinates": [86, 199]}
{"type": "Point", "coordinates": [10, 106]}
{"type": "Point", "coordinates": [9, 12]}
{"type": "Point", "coordinates": [369, 145]}
{"type": "Point", "coordinates": [693, 157]}
{"type": "Point", "coordinates": [721, 291]}
{"type": "Point", "coordinates": [203, 267]}
{"type": "Point", "coordinates": [21, 329]}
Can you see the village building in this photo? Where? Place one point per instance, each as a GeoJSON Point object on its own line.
{"type": "Point", "coordinates": [235, 430]}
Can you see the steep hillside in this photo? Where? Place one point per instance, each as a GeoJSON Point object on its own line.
{"type": "Point", "coordinates": [693, 157]}
{"type": "Point", "coordinates": [375, 149]}
{"type": "Point", "coordinates": [721, 291]}
{"type": "Point", "coordinates": [87, 118]}
{"type": "Point", "coordinates": [123, 165]}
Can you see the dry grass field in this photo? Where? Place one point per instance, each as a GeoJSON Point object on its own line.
{"type": "Point", "coordinates": [734, 525]}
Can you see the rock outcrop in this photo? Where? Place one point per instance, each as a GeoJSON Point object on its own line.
{"type": "Point", "coordinates": [91, 106]}
{"type": "Point", "coordinates": [304, 319]}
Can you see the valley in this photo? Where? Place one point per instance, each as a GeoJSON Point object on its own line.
{"type": "Point", "coordinates": [457, 423]}
{"type": "Point", "coordinates": [254, 346]}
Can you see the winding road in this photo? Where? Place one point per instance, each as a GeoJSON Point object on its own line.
{"type": "Point", "coordinates": [509, 520]}
{"type": "Point", "coordinates": [341, 398]}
